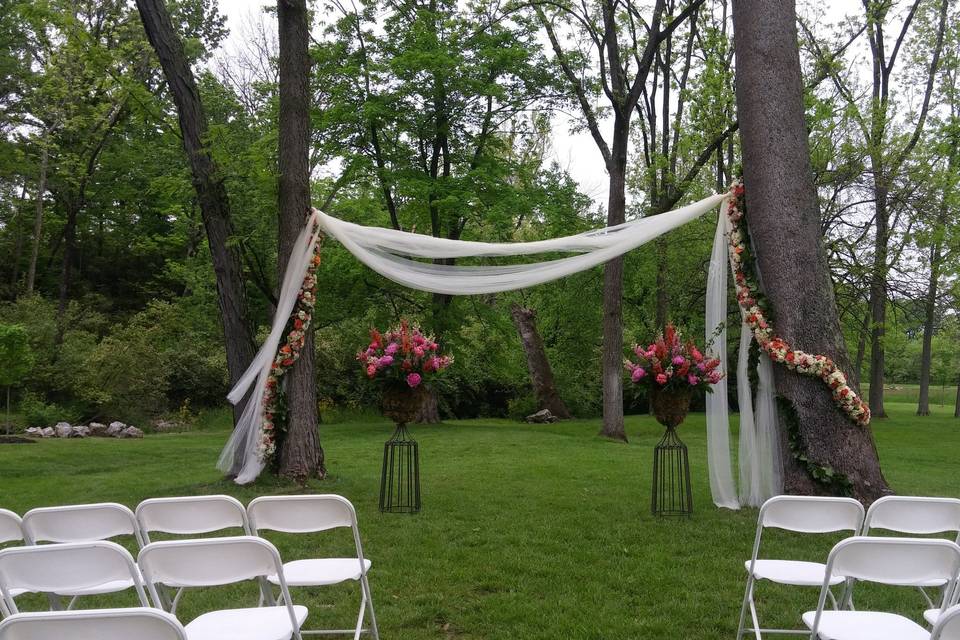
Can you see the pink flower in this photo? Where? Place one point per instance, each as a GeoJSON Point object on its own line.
{"type": "Point", "coordinates": [697, 356]}
{"type": "Point", "coordinates": [392, 348]}
{"type": "Point", "coordinates": [418, 351]}
{"type": "Point", "coordinates": [372, 370]}
{"type": "Point", "coordinates": [661, 378]}
{"type": "Point", "coordinates": [678, 360]}
{"type": "Point", "coordinates": [413, 380]}
{"type": "Point", "coordinates": [714, 377]}
{"type": "Point", "coordinates": [385, 361]}
{"type": "Point", "coordinates": [701, 366]}
{"type": "Point", "coordinates": [693, 380]}
{"type": "Point", "coordinates": [637, 374]}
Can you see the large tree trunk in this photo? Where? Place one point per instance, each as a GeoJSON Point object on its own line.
{"type": "Point", "coordinates": [956, 403]}
{"type": "Point", "coordinates": [301, 456]}
{"type": "Point", "coordinates": [612, 357]}
{"type": "Point", "coordinates": [38, 218]}
{"type": "Point", "coordinates": [541, 375]}
{"type": "Point", "coordinates": [208, 183]}
{"type": "Point", "coordinates": [784, 225]}
{"type": "Point", "coordinates": [862, 345]}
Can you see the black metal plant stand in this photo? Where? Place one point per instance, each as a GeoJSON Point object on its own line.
{"type": "Point", "coordinates": [672, 495]}
{"type": "Point", "coordinates": [400, 474]}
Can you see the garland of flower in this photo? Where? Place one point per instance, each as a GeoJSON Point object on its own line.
{"type": "Point", "coordinates": [753, 305]}
{"type": "Point", "coordinates": [287, 355]}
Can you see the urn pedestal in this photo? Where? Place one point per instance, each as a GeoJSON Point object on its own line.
{"type": "Point", "coordinates": [672, 494]}
{"type": "Point", "coordinates": [400, 472]}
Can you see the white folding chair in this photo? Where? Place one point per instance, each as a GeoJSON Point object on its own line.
{"type": "Point", "coordinates": [891, 561]}
{"type": "Point", "coordinates": [800, 514]}
{"type": "Point", "coordinates": [10, 531]}
{"type": "Point", "coordinates": [141, 623]}
{"type": "Point", "coordinates": [932, 615]}
{"type": "Point", "coordinates": [67, 568]}
{"type": "Point", "coordinates": [315, 513]}
{"type": "Point", "coordinates": [948, 625]}
{"type": "Point", "coordinates": [208, 562]}
{"type": "Point", "coordinates": [82, 523]}
{"type": "Point", "coordinates": [915, 516]}
{"type": "Point", "coordinates": [190, 515]}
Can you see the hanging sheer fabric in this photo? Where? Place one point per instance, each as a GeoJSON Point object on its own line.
{"type": "Point", "coordinates": [396, 255]}
{"type": "Point", "coordinates": [239, 457]}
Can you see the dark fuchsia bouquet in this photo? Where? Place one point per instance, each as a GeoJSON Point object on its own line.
{"type": "Point", "coordinates": [403, 354]}
{"type": "Point", "coordinates": [669, 363]}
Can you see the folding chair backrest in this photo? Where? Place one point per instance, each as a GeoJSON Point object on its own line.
{"type": "Point", "coordinates": [55, 568]}
{"type": "Point", "coordinates": [914, 515]}
{"type": "Point", "coordinates": [948, 625]}
{"type": "Point", "coordinates": [10, 527]}
{"type": "Point", "coordinates": [79, 523]}
{"type": "Point", "coordinates": [301, 514]}
{"type": "Point", "coordinates": [805, 514]}
{"type": "Point", "coordinates": [191, 515]}
{"type": "Point", "coordinates": [208, 562]}
{"type": "Point", "coordinates": [93, 624]}
{"type": "Point", "coordinates": [895, 561]}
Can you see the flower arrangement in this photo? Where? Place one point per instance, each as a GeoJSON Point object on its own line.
{"type": "Point", "coordinates": [274, 409]}
{"type": "Point", "coordinates": [403, 354]}
{"type": "Point", "coordinates": [670, 364]}
{"type": "Point", "coordinates": [777, 348]}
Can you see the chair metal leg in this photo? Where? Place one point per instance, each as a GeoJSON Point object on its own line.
{"type": "Point", "coordinates": [743, 607]}
{"type": "Point", "coordinates": [363, 606]}
{"type": "Point", "coordinates": [365, 586]}
{"type": "Point", "coordinates": [753, 616]}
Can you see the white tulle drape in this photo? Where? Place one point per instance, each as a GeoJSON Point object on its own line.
{"type": "Point", "coordinates": [394, 255]}
{"type": "Point", "coordinates": [239, 457]}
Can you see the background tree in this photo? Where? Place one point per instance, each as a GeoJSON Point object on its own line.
{"type": "Point", "coordinates": [625, 46]}
{"type": "Point", "coordinates": [17, 358]}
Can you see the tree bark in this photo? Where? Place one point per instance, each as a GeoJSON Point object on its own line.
{"type": "Point", "coordinates": [208, 183]}
{"type": "Point", "coordinates": [538, 365]}
{"type": "Point", "coordinates": [784, 224]}
{"type": "Point", "coordinates": [878, 303]}
{"type": "Point", "coordinates": [929, 315]}
{"type": "Point", "coordinates": [301, 456]}
{"type": "Point", "coordinates": [38, 218]}
{"type": "Point", "coordinates": [612, 356]}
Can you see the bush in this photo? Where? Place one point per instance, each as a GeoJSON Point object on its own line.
{"type": "Point", "coordinates": [37, 413]}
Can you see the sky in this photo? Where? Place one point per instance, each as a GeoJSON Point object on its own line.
{"type": "Point", "coordinates": [577, 153]}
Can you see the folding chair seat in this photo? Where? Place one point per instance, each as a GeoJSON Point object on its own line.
{"type": "Point", "coordinates": [933, 614]}
{"type": "Point", "coordinates": [140, 623]}
{"type": "Point", "coordinates": [890, 561]}
{"type": "Point", "coordinates": [82, 523]}
{"type": "Point", "coordinates": [192, 516]}
{"type": "Point", "coordinates": [948, 625]}
{"type": "Point", "coordinates": [211, 562]}
{"type": "Point", "coordinates": [67, 568]}
{"type": "Point", "coordinates": [918, 516]}
{"type": "Point", "coordinates": [10, 531]}
{"type": "Point", "coordinates": [799, 514]}
{"type": "Point", "coordinates": [311, 514]}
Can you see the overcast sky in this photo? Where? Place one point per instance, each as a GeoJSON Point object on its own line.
{"type": "Point", "coordinates": [576, 153]}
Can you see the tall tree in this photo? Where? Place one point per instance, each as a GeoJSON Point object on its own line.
{"type": "Point", "coordinates": [888, 149]}
{"type": "Point", "coordinates": [538, 365]}
{"type": "Point", "coordinates": [208, 183]}
{"type": "Point", "coordinates": [301, 456]}
{"type": "Point", "coordinates": [625, 47]}
{"type": "Point", "coordinates": [791, 258]}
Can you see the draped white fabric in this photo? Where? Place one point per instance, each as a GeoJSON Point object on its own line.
{"type": "Point", "coordinates": [394, 254]}
{"type": "Point", "coordinates": [239, 457]}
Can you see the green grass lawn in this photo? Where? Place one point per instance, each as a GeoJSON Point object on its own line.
{"type": "Point", "coordinates": [526, 531]}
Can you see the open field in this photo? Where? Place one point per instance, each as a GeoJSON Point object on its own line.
{"type": "Point", "coordinates": [527, 531]}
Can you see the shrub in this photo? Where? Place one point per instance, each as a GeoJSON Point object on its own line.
{"type": "Point", "coordinates": [37, 413]}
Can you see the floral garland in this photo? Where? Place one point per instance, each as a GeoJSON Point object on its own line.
{"type": "Point", "coordinates": [287, 355]}
{"type": "Point", "coordinates": [749, 298]}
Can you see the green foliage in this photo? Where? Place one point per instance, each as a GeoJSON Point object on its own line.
{"type": "Point", "coordinates": [37, 413]}
{"type": "Point", "coordinates": [15, 354]}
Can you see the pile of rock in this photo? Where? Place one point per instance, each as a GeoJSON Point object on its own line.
{"type": "Point", "coordinates": [94, 429]}
{"type": "Point", "coordinates": [544, 416]}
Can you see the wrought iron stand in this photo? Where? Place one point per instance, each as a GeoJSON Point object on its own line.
{"type": "Point", "coordinates": [672, 495]}
{"type": "Point", "coordinates": [400, 474]}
